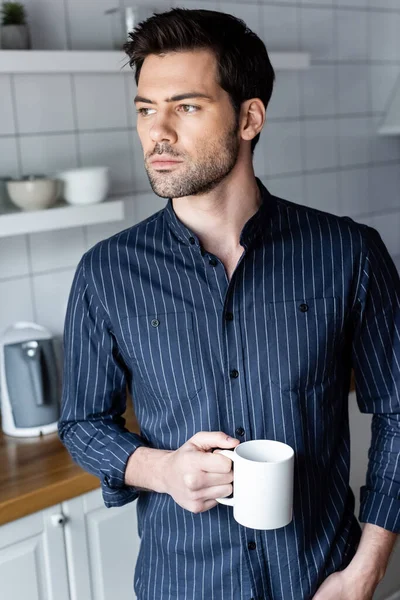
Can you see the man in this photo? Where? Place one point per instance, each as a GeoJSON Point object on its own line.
{"type": "Point", "coordinates": [232, 315]}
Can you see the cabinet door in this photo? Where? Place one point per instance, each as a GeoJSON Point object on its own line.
{"type": "Point", "coordinates": [102, 548]}
{"type": "Point", "coordinates": [33, 563]}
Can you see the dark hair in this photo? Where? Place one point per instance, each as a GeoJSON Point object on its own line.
{"type": "Point", "coordinates": [244, 68]}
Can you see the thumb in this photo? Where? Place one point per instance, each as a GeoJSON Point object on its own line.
{"type": "Point", "coordinates": [209, 440]}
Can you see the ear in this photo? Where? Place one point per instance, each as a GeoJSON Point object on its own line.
{"type": "Point", "coordinates": [252, 118]}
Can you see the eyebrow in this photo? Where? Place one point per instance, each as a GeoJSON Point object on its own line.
{"type": "Point", "coordinates": [175, 98]}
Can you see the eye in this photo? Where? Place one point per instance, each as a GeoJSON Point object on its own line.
{"type": "Point", "coordinates": [189, 106]}
{"type": "Point", "coordinates": [140, 111]}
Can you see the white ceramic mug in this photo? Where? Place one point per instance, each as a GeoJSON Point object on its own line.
{"type": "Point", "coordinates": [262, 484]}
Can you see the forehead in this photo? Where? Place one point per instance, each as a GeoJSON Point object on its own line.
{"type": "Point", "coordinates": [185, 69]}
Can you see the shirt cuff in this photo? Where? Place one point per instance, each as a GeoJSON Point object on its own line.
{"type": "Point", "coordinates": [113, 466]}
{"type": "Point", "coordinates": [379, 509]}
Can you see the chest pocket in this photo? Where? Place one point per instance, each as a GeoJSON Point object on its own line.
{"type": "Point", "coordinates": [303, 337]}
{"type": "Point", "coordinates": [164, 349]}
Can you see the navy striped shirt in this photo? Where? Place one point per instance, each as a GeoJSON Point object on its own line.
{"type": "Point", "coordinates": [266, 354]}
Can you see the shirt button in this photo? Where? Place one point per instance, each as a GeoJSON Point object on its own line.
{"type": "Point", "coordinates": [192, 240]}
{"type": "Point", "coordinates": [234, 373]}
{"type": "Point", "coordinates": [239, 431]}
{"type": "Point", "coordinates": [213, 262]}
{"type": "Point", "coordinates": [229, 316]}
{"type": "Point", "coordinates": [251, 545]}
{"type": "Point", "coordinates": [303, 307]}
{"type": "Point", "coordinates": [155, 322]}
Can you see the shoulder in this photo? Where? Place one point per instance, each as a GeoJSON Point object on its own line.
{"type": "Point", "coordinates": [313, 221]}
{"type": "Point", "coordinates": [110, 249]}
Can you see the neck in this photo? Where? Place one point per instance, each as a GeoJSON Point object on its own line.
{"type": "Point", "coordinates": [219, 217]}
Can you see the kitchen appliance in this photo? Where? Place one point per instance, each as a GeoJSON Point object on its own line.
{"type": "Point", "coordinates": [30, 385]}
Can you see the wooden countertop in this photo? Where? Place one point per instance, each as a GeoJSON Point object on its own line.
{"type": "Point", "coordinates": [36, 473]}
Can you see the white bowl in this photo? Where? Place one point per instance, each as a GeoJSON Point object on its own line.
{"type": "Point", "coordinates": [33, 194]}
{"type": "Point", "coordinates": [88, 185]}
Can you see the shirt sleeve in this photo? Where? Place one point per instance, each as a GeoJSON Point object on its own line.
{"type": "Point", "coordinates": [376, 364]}
{"type": "Point", "coordinates": [91, 425]}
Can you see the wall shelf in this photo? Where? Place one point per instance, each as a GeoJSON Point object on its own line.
{"type": "Point", "coordinates": [61, 216]}
{"type": "Point", "coordinates": [105, 61]}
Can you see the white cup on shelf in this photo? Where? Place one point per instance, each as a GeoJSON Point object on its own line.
{"type": "Point", "coordinates": [86, 185]}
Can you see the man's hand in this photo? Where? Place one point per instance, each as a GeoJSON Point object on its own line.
{"type": "Point", "coordinates": [344, 585]}
{"type": "Point", "coordinates": [194, 476]}
{"type": "Point", "coordinates": [360, 578]}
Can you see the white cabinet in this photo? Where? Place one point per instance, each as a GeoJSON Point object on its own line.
{"type": "Point", "coordinates": [78, 550]}
{"type": "Point", "coordinates": [102, 547]}
{"type": "Point", "coordinates": [32, 558]}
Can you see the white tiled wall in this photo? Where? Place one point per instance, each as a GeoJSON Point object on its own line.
{"type": "Point", "coordinates": [319, 146]}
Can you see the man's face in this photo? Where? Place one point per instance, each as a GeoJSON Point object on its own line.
{"type": "Point", "coordinates": [201, 133]}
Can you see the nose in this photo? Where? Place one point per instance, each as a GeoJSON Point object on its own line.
{"type": "Point", "coordinates": [161, 130]}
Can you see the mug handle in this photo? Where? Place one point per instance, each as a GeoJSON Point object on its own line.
{"type": "Point", "coordinates": [227, 501]}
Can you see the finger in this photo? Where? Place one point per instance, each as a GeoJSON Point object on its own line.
{"type": "Point", "coordinates": [207, 440]}
{"type": "Point", "coordinates": [212, 479]}
{"type": "Point", "coordinates": [217, 491]}
{"type": "Point", "coordinates": [214, 462]}
{"type": "Point", "coordinates": [208, 504]}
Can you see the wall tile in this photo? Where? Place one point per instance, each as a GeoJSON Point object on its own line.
{"type": "Point", "coordinates": [382, 147]}
{"type": "Point", "coordinates": [285, 99]}
{"type": "Point", "coordinates": [44, 103]}
{"type": "Point", "coordinates": [353, 89]}
{"type": "Point", "coordinates": [47, 24]}
{"type": "Point", "coordinates": [318, 90]}
{"type": "Point", "coordinates": [101, 101]}
{"type": "Point", "coordinates": [48, 154]}
{"type": "Point", "coordinates": [388, 226]}
{"type": "Point", "coordinates": [289, 188]}
{"type": "Point", "coordinates": [51, 291]}
{"type": "Point", "coordinates": [320, 2]}
{"type": "Point", "coordinates": [102, 231]}
{"type": "Point", "coordinates": [353, 3]}
{"type": "Point", "coordinates": [384, 188]}
{"type": "Point", "coordinates": [320, 144]}
{"type": "Point", "coordinates": [16, 302]}
{"type": "Point", "coordinates": [7, 122]}
{"type": "Point", "coordinates": [13, 257]}
{"type": "Point", "coordinates": [89, 28]}
{"type": "Point", "coordinates": [130, 92]}
{"type": "Point", "coordinates": [9, 157]}
{"type": "Point", "coordinates": [322, 192]}
{"type": "Point", "coordinates": [317, 33]}
{"type": "Point", "coordinates": [109, 148]}
{"type": "Point", "coordinates": [384, 39]}
{"type": "Point", "coordinates": [281, 146]}
{"type": "Point", "coordinates": [280, 28]}
{"type": "Point", "coordinates": [147, 204]}
{"type": "Point", "coordinates": [207, 4]}
{"type": "Point", "coordinates": [140, 179]}
{"type": "Point", "coordinates": [354, 196]}
{"type": "Point", "coordinates": [351, 34]}
{"type": "Point", "coordinates": [249, 13]}
{"type": "Point", "coordinates": [56, 249]}
{"type": "Point", "coordinates": [382, 80]}
{"type": "Point", "coordinates": [353, 141]}
{"type": "Point", "coordinates": [384, 4]}
{"type": "Point", "coordinates": [260, 154]}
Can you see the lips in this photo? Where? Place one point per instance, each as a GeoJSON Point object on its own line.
{"type": "Point", "coordinates": [166, 161]}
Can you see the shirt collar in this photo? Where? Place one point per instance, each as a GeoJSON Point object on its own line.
{"type": "Point", "coordinates": [251, 230]}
